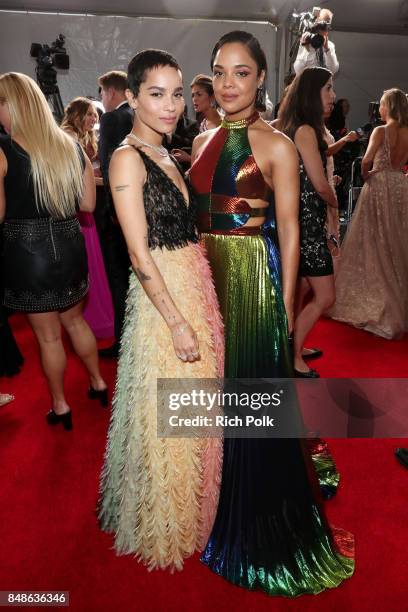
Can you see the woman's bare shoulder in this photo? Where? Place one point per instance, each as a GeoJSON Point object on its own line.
{"type": "Point", "coordinates": [125, 152]}
{"type": "Point", "coordinates": [204, 137]}
{"type": "Point", "coordinates": [201, 141]}
{"type": "Point", "coordinates": [305, 131]}
{"type": "Point", "coordinates": [272, 139]}
{"type": "Point", "coordinates": [126, 159]}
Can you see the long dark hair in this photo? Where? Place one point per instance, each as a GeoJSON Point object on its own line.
{"type": "Point", "coordinates": [337, 120]}
{"type": "Point", "coordinates": [303, 105]}
{"type": "Point", "coordinates": [255, 51]}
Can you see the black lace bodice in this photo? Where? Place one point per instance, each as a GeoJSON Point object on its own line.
{"type": "Point", "coordinates": [170, 219]}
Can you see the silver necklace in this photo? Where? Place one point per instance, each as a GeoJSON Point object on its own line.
{"type": "Point", "coordinates": [160, 150]}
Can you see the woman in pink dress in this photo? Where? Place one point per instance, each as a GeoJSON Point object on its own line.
{"type": "Point", "coordinates": [79, 121]}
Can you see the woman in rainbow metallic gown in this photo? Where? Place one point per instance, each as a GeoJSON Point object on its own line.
{"type": "Point", "coordinates": [270, 532]}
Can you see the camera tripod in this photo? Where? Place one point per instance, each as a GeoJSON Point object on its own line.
{"type": "Point", "coordinates": [55, 104]}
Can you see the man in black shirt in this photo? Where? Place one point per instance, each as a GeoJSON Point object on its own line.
{"type": "Point", "coordinates": [115, 124]}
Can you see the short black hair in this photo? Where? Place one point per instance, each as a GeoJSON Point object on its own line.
{"type": "Point", "coordinates": [145, 61]}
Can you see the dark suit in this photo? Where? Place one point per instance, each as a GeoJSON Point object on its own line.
{"type": "Point", "coordinates": [114, 126]}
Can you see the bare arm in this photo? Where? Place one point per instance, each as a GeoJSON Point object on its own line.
{"type": "Point", "coordinates": [339, 144]}
{"type": "Point", "coordinates": [126, 177]}
{"type": "Point", "coordinates": [198, 143]}
{"type": "Point", "coordinates": [3, 172]}
{"type": "Point", "coordinates": [376, 139]}
{"type": "Point", "coordinates": [330, 56]}
{"type": "Point", "coordinates": [88, 200]}
{"type": "Point", "coordinates": [301, 58]}
{"type": "Point", "coordinates": [285, 175]}
{"type": "Point", "coordinates": [306, 143]}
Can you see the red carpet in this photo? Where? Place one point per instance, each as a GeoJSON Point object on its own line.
{"type": "Point", "coordinates": [50, 539]}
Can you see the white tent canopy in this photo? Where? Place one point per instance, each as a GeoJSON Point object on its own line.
{"type": "Point", "coordinates": [361, 15]}
{"type": "Point", "coordinates": [371, 38]}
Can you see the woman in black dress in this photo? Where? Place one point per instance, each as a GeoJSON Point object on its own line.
{"type": "Point", "coordinates": [44, 180]}
{"type": "Point", "coordinates": [302, 113]}
{"type": "Point", "coordinates": [11, 358]}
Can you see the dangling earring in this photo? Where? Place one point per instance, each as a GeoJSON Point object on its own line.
{"type": "Point", "coordinates": [260, 98]}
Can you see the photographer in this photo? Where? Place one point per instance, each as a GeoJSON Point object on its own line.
{"type": "Point", "coordinates": [315, 48]}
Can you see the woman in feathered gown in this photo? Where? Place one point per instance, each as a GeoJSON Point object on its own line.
{"type": "Point", "coordinates": [371, 285]}
{"type": "Point", "coordinates": [159, 495]}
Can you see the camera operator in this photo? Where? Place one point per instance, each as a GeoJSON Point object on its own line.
{"type": "Point", "coordinates": [315, 48]}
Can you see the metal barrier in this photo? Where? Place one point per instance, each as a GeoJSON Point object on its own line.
{"type": "Point", "coordinates": [354, 191]}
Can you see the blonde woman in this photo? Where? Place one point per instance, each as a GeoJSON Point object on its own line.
{"type": "Point", "coordinates": [371, 285]}
{"type": "Point", "coordinates": [79, 121]}
{"type": "Point", "coordinates": [44, 180]}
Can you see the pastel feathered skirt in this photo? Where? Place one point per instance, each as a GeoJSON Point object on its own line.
{"type": "Point", "coordinates": [158, 496]}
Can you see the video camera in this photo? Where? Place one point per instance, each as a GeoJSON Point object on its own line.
{"type": "Point", "coordinates": [50, 57]}
{"type": "Point", "coordinates": [309, 29]}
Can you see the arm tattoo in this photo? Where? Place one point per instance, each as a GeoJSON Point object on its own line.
{"type": "Point", "coordinates": [142, 276]}
{"type": "Point", "coordinates": [121, 187]}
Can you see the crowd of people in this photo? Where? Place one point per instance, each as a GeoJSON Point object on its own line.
{"type": "Point", "coordinates": [231, 267]}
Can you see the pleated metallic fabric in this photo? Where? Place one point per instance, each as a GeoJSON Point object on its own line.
{"type": "Point", "coordinates": [270, 531]}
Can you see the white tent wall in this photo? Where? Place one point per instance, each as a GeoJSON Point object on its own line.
{"type": "Point", "coordinates": [369, 63]}
{"type": "Point", "coordinates": [100, 43]}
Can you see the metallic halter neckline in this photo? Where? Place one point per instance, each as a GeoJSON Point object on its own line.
{"type": "Point", "coordinates": [240, 123]}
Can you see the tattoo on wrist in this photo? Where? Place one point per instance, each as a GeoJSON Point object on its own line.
{"type": "Point", "coordinates": [121, 187]}
{"type": "Point", "coordinates": [141, 275]}
{"type": "Point", "coordinates": [179, 329]}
